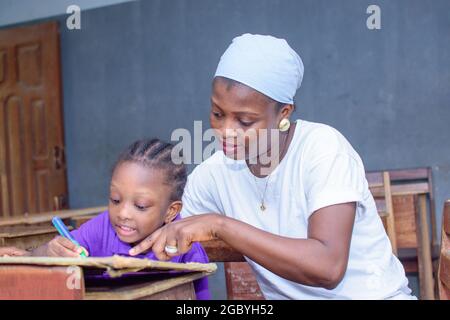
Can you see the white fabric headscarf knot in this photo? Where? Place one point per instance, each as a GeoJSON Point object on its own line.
{"type": "Point", "coordinates": [264, 63]}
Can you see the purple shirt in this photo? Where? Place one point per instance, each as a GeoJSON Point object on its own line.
{"type": "Point", "coordinates": [99, 238]}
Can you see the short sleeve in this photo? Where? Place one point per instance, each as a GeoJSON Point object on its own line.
{"type": "Point", "coordinates": [199, 196]}
{"type": "Point", "coordinates": [333, 174]}
{"type": "Point", "coordinates": [90, 233]}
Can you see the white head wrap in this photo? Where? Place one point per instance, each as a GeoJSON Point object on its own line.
{"type": "Point", "coordinates": [264, 63]}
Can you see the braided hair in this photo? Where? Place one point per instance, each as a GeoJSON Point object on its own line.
{"type": "Point", "coordinates": [154, 153]}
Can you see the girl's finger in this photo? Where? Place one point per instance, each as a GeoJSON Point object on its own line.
{"type": "Point", "coordinates": [63, 251]}
{"type": "Point", "coordinates": [66, 243]}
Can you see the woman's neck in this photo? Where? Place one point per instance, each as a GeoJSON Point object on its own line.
{"type": "Point", "coordinates": [261, 169]}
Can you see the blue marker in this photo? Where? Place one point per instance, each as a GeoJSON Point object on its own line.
{"type": "Point", "coordinates": [64, 232]}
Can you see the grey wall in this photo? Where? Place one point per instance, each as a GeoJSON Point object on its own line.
{"type": "Point", "coordinates": [17, 11]}
{"type": "Point", "coordinates": [144, 68]}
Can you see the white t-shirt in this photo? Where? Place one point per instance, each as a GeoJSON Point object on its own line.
{"type": "Point", "coordinates": [319, 169]}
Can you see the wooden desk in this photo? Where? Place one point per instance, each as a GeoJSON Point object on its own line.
{"type": "Point", "coordinates": [61, 279]}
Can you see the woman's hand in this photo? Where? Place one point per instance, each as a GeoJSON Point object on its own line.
{"type": "Point", "coordinates": [60, 247]}
{"type": "Point", "coordinates": [180, 234]}
{"type": "Point", "coordinates": [12, 252]}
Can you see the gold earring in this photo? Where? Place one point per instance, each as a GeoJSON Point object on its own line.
{"type": "Point", "coordinates": [284, 125]}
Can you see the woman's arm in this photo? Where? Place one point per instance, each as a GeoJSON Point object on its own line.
{"type": "Point", "coordinates": [320, 260]}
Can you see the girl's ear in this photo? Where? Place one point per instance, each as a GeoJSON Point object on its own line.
{"type": "Point", "coordinates": [172, 211]}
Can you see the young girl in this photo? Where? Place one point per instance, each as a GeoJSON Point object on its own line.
{"type": "Point", "coordinates": [145, 193]}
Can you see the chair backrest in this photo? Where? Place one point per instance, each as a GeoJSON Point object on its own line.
{"type": "Point", "coordinates": [380, 186]}
{"type": "Point", "coordinates": [414, 181]}
{"type": "Point", "coordinates": [444, 259]}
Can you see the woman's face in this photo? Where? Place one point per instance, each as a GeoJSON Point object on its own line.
{"type": "Point", "coordinates": [139, 201]}
{"type": "Point", "coordinates": [238, 115]}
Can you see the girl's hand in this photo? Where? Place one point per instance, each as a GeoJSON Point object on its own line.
{"type": "Point", "coordinates": [180, 234]}
{"type": "Point", "coordinates": [62, 247]}
{"type": "Point", "coordinates": [12, 252]}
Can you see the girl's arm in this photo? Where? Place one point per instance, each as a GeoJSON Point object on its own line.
{"type": "Point", "coordinates": [12, 252]}
{"type": "Point", "coordinates": [320, 260]}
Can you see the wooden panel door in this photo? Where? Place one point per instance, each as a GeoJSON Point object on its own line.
{"type": "Point", "coordinates": [32, 164]}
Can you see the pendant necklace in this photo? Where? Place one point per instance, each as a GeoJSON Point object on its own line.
{"type": "Point", "coordinates": [262, 206]}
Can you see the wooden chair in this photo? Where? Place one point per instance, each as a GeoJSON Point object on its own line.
{"type": "Point", "coordinates": [380, 186]}
{"type": "Point", "coordinates": [444, 260]}
{"type": "Point", "coordinates": [413, 204]}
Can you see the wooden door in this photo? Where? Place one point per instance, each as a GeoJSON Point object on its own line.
{"type": "Point", "coordinates": [32, 162]}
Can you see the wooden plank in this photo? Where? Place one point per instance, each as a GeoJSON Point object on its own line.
{"type": "Point", "coordinates": [241, 282]}
{"type": "Point", "coordinates": [432, 208]}
{"type": "Point", "coordinates": [444, 272]}
{"type": "Point", "coordinates": [47, 216]}
{"type": "Point", "coordinates": [424, 251]}
{"type": "Point", "coordinates": [148, 290]}
{"type": "Point", "coordinates": [20, 231]}
{"type": "Point", "coordinates": [446, 218]}
{"type": "Point", "coordinates": [219, 251]}
{"type": "Point", "coordinates": [444, 261]}
{"type": "Point", "coordinates": [403, 189]}
{"type": "Point", "coordinates": [23, 282]}
{"type": "Point", "coordinates": [28, 242]}
{"type": "Point", "coordinates": [115, 265]}
{"type": "Point", "coordinates": [390, 220]}
{"type": "Point", "coordinates": [409, 174]}
{"type": "Point", "coordinates": [184, 291]}
{"type": "Point", "coordinates": [405, 221]}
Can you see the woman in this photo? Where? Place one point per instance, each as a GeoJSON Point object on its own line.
{"type": "Point", "coordinates": [307, 225]}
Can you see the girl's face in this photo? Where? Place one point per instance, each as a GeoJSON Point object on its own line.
{"type": "Point", "coordinates": [139, 201]}
{"type": "Point", "coordinates": [238, 113]}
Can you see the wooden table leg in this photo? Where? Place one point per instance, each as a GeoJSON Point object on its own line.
{"type": "Point", "coordinates": [424, 250]}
